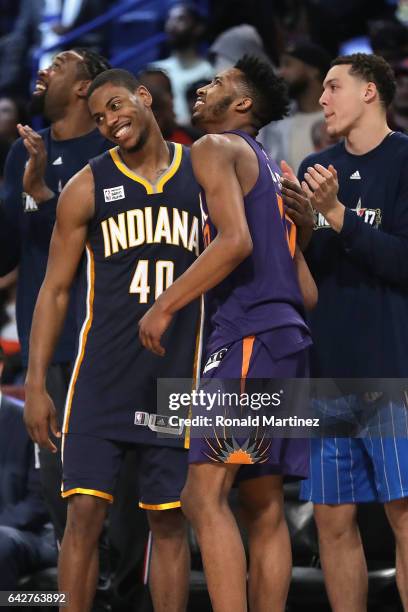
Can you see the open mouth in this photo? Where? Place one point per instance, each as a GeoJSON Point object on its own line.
{"type": "Point", "coordinates": [40, 88]}
{"type": "Point", "coordinates": [122, 131]}
{"type": "Point", "coordinates": [198, 104]}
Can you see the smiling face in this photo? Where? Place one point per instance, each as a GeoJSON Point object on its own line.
{"type": "Point", "coordinates": [55, 86]}
{"type": "Point", "coordinates": [122, 116]}
{"type": "Point", "coordinates": [215, 101]}
{"type": "Point", "coordinates": [344, 100]}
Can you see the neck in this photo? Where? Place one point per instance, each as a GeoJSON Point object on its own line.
{"type": "Point", "coordinates": [186, 56]}
{"type": "Point", "coordinates": [153, 154]}
{"type": "Point", "coordinates": [367, 135]}
{"type": "Point", "coordinates": [308, 101]}
{"type": "Point", "coordinates": [218, 128]}
{"type": "Point", "coordinates": [76, 122]}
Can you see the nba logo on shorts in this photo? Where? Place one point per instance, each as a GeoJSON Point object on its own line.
{"type": "Point", "coordinates": [214, 360]}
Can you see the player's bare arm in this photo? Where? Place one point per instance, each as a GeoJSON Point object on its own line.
{"type": "Point", "coordinates": [307, 284]}
{"type": "Point", "coordinates": [214, 163]}
{"type": "Point", "coordinates": [75, 208]}
{"type": "Point", "coordinates": [298, 207]}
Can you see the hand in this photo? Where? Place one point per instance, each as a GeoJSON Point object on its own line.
{"type": "Point", "coordinates": [288, 172]}
{"type": "Point", "coordinates": [40, 417]}
{"type": "Point", "coordinates": [297, 203]}
{"type": "Point", "coordinates": [321, 186]}
{"type": "Point", "coordinates": [152, 326]}
{"type": "Point", "coordinates": [33, 179]}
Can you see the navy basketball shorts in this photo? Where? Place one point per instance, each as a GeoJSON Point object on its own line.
{"type": "Point", "coordinates": [275, 354]}
{"type": "Point", "coordinates": [367, 468]}
{"type": "Point", "coordinates": [91, 466]}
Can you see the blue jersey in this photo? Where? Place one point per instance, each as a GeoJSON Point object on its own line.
{"type": "Point", "coordinates": [358, 326]}
{"type": "Point", "coordinates": [25, 229]}
{"type": "Point", "coordinates": [263, 292]}
{"type": "Point", "coordinates": [141, 238]}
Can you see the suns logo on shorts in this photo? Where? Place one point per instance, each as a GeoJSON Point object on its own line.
{"type": "Point", "coordinates": [228, 450]}
{"type": "Point", "coordinates": [214, 360]}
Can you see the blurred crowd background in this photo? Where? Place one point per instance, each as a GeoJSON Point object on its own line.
{"type": "Point", "coordinates": [175, 47]}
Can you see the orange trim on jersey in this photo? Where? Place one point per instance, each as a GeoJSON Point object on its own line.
{"type": "Point", "coordinates": [291, 236]}
{"type": "Point", "coordinates": [280, 204]}
{"type": "Point", "coordinates": [84, 333]}
{"type": "Point", "coordinates": [168, 506]}
{"type": "Point", "coordinates": [93, 492]}
{"type": "Point", "coordinates": [247, 348]}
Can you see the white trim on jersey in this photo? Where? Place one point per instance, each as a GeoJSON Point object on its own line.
{"type": "Point", "coordinates": [78, 358]}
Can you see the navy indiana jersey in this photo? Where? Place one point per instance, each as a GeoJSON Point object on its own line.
{"type": "Point", "coordinates": [263, 292]}
{"type": "Point", "coordinates": [359, 325]}
{"type": "Point", "coordinates": [141, 238]}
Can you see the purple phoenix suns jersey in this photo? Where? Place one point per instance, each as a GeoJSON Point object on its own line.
{"type": "Point", "coordinates": [263, 292]}
{"type": "Point", "coordinates": [141, 238]}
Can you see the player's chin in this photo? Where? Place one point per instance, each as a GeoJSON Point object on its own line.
{"type": "Point", "coordinates": [333, 131]}
{"type": "Point", "coordinates": [197, 118]}
{"type": "Point", "coordinates": [129, 144]}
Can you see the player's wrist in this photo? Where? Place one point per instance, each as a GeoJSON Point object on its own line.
{"type": "Point", "coordinates": [335, 216]}
{"type": "Point", "coordinates": [40, 193]}
{"type": "Point", "coordinates": [164, 304]}
{"type": "Point", "coordinates": [34, 384]}
{"type": "Point", "coordinates": [34, 390]}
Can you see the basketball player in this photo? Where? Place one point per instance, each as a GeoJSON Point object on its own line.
{"type": "Point", "coordinates": [37, 167]}
{"type": "Point", "coordinates": [258, 329]}
{"type": "Point", "coordinates": [134, 212]}
{"type": "Point", "coordinates": [359, 257]}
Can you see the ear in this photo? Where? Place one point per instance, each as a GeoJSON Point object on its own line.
{"type": "Point", "coordinates": [81, 88]}
{"type": "Point", "coordinates": [243, 105]}
{"type": "Point", "coordinates": [370, 92]}
{"type": "Point", "coordinates": [145, 95]}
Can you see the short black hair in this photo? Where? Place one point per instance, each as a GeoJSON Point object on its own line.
{"type": "Point", "coordinates": [152, 71]}
{"type": "Point", "coordinates": [92, 65]}
{"type": "Point", "coordinates": [268, 91]}
{"type": "Point", "coordinates": [371, 68]}
{"type": "Point", "coordinates": [116, 76]}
